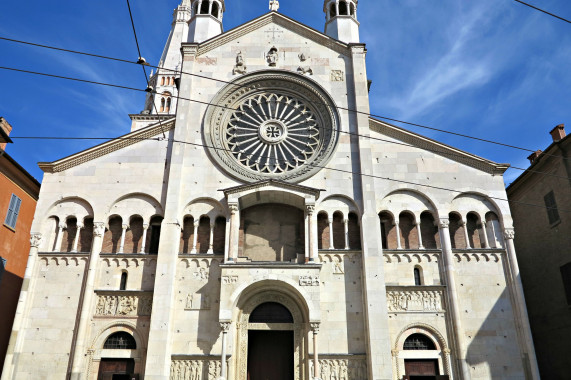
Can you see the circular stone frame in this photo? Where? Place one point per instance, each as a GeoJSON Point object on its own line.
{"type": "Point", "coordinates": [227, 101]}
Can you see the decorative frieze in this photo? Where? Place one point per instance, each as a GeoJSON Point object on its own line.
{"type": "Point", "coordinates": [415, 299]}
{"type": "Point", "coordinates": [343, 368]}
{"type": "Point", "coordinates": [124, 304]}
{"type": "Point", "coordinates": [309, 280]}
{"type": "Point", "coordinates": [415, 256]}
{"type": "Point", "coordinates": [337, 76]}
{"type": "Point", "coordinates": [195, 369]}
{"type": "Point", "coordinates": [478, 256]}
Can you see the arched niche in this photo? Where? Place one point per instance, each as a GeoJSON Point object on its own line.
{"type": "Point", "coordinates": [140, 204]}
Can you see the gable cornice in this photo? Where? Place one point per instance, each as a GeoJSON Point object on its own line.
{"type": "Point", "coordinates": [273, 183]}
{"type": "Point", "coordinates": [279, 19]}
{"type": "Point", "coordinates": [436, 147]}
{"type": "Point", "coordinates": [107, 147]}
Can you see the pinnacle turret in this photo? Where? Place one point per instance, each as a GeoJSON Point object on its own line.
{"type": "Point", "coordinates": [341, 16]}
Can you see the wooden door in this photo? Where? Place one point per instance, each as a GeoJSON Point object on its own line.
{"type": "Point", "coordinates": [270, 355]}
{"type": "Point", "coordinates": [116, 369]}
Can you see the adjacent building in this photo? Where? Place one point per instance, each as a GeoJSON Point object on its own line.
{"type": "Point", "coordinates": [19, 193]}
{"type": "Point", "coordinates": [543, 246]}
{"type": "Point", "coordinates": [252, 225]}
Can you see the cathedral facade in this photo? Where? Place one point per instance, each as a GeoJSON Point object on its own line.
{"type": "Point", "coordinates": [257, 223]}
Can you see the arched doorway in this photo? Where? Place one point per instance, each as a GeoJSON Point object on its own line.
{"type": "Point", "coordinates": [270, 352]}
{"type": "Point", "coordinates": [271, 341]}
{"type": "Point", "coordinates": [118, 368]}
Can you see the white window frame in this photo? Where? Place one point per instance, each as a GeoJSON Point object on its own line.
{"type": "Point", "coordinates": [13, 212]}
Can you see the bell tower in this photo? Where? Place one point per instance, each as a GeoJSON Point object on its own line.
{"type": "Point", "coordinates": [341, 20]}
{"type": "Point", "coordinates": [206, 20]}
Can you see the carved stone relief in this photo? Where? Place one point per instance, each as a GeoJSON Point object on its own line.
{"type": "Point", "coordinates": [415, 300]}
{"type": "Point", "coordinates": [240, 67]}
{"type": "Point", "coordinates": [304, 69]}
{"type": "Point", "coordinates": [197, 369]}
{"type": "Point", "coordinates": [123, 305]}
{"type": "Point", "coordinates": [341, 369]}
{"type": "Point", "coordinates": [273, 56]}
{"type": "Point", "coordinates": [197, 302]}
{"type": "Point", "coordinates": [337, 76]}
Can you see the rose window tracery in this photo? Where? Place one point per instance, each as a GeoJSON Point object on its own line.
{"type": "Point", "coordinates": [272, 125]}
{"type": "Point", "coordinates": [273, 133]}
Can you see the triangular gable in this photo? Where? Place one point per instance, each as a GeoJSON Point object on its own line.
{"type": "Point", "coordinates": [278, 19]}
{"type": "Point", "coordinates": [107, 147]}
{"type": "Point", "coordinates": [436, 147]}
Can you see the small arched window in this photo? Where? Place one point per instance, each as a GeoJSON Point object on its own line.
{"type": "Point", "coordinates": [195, 9]}
{"type": "Point", "coordinates": [120, 341]}
{"type": "Point", "coordinates": [123, 284]}
{"type": "Point", "coordinates": [162, 105]}
{"type": "Point", "coordinates": [419, 342]}
{"type": "Point", "coordinates": [162, 81]}
{"type": "Point", "coordinates": [417, 277]}
{"type": "Point", "coordinates": [343, 8]}
{"type": "Point", "coordinates": [333, 10]}
{"type": "Point", "coordinates": [215, 9]}
{"type": "Point", "coordinates": [168, 108]}
{"type": "Point", "coordinates": [352, 9]}
{"type": "Point", "coordinates": [205, 7]}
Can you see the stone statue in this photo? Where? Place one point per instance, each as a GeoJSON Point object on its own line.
{"type": "Point", "coordinates": [273, 56]}
{"type": "Point", "coordinates": [240, 67]}
{"type": "Point", "coordinates": [274, 5]}
{"type": "Point", "coordinates": [304, 69]}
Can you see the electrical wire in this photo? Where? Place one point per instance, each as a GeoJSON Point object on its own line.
{"type": "Point", "coordinates": [544, 11]}
{"type": "Point", "coordinates": [142, 62]}
{"type": "Point", "coordinates": [320, 167]}
{"type": "Point", "coordinates": [237, 85]}
{"type": "Point", "coordinates": [225, 107]}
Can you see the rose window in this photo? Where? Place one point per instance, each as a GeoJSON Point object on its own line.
{"type": "Point", "coordinates": [273, 133]}
{"type": "Point", "coordinates": [271, 125]}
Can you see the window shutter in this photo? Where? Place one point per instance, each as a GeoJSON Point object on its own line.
{"type": "Point", "coordinates": [551, 206]}
{"type": "Point", "coordinates": [13, 211]}
{"type": "Point", "coordinates": [16, 211]}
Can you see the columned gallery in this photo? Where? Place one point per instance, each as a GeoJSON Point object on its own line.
{"type": "Point", "coordinates": [256, 227]}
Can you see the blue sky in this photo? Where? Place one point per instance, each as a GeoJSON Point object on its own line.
{"type": "Point", "coordinates": [489, 68]}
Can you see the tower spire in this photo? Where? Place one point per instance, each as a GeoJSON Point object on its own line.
{"type": "Point", "coordinates": [206, 20]}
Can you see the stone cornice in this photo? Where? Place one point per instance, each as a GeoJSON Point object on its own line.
{"type": "Point", "coordinates": [141, 117]}
{"type": "Point", "coordinates": [272, 18]}
{"type": "Point", "coordinates": [107, 147]}
{"type": "Point", "coordinates": [275, 183]}
{"type": "Point", "coordinates": [436, 147]}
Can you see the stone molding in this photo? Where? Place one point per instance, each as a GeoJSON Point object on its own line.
{"type": "Point", "coordinates": [106, 148]}
{"type": "Point", "coordinates": [272, 183]}
{"type": "Point", "coordinates": [437, 147]}
{"type": "Point", "coordinates": [123, 304]}
{"type": "Point", "coordinates": [479, 256]}
{"type": "Point", "coordinates": [417, 256]}
{"type": "Point", "coordinates": [68, 260]}
{"type": "Point", "coordinates": [135, 261]}
{"type": "Point", "coordinates": [267, 19]}
{"type": "Point", "coordinates": [408, 299]}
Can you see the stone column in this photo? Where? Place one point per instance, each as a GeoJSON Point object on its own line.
{"type": "Point", "coordinates": [210, 7]}
{"type": "Point", "coordinates": [465, 226]}
{"type": "Point", "coordinates": [310, 209]}
{"type": "Point", "coordinates": [315, 329]}
{"type": "Point", "coordinates": [211, 239]}
{"type": "Point", "coordinates": [450, 273]}
{"type": "Point", "coordinates": [337, 7]}
{"type": "Point", "coordinates": [331, 244]}
{"type": "Point", "coordinates": [78, 365]}
{"type": "Point", "coordinates": [78, 229]}
{"type": "Point", "coordinates": [199, 9]}
{"type": "Point", "coordinates": [225, 326]}
{"type": "Point", "coordinates": [346, 225]}
{"type": "Point", "coordinates": [399, 245]}
{"type": "Point", "coordinates": [419, 229]}
{"type": "Point", "coordinates": [521, 307]}
{"type": "Point", "coordinates": [195, 236]}
{"type": "Point", "coordinates": [485, 233]}
{"type": "Point", "coordinates": [62, 226]}
{"type": "Point", "coordinates": [17, 336]}
{"type": "Point", "coordinates": [234, 232]}
{"type": "Point", "coordinates": [144, 238]}
{"type": "Point", "coordinates": [124, 228]}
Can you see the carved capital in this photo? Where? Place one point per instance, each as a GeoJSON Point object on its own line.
{"type": "Point", "coordinates": [124, 226]}
{"type": "Point", "coordinates": [446, 351]}
{"type": "Point", "coordinates": [509, 233]}
{"type": "Point", "coordinates": [80, 226]}
{"type": "Point", "coordinates": [314, 326]}
{"type": "Point", "coordinates": [98, 229]}
{"type": "Point", "coordinates": [444, 223]}
{"type": "Point", "coordinates": [225, 326]}
{"type": "Point", "coordinates": [233, 208]}
{"type": "Point", "coordinates": [395, 353]}
{"type": "Point", "coordinates": [145, 226]}
{"type": "Point", "coordinates": [35, 240]}
{"type": "Point", "coordinates": [62, 226]}
{"type": "Point", "coordinates": [310, 209]}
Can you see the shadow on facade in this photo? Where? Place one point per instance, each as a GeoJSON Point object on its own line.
{"type": "Point", "coordinates": [9, 294]}
{"type": "Point", "coordinates": [495, 347]}
{"type": "Point", "coordinates": [208, 327]}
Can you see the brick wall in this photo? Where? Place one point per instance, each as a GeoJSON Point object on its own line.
{"type": "Point", "coordinates": [112, 237]}
{"type": "Point", "coordinates": [187, 235]}
{"type": "Point", "coordinates": [203, 241]}
{"type": "Point", "coordinates": [354, 232]}
{"type": "Point", "coordinates": [86, 236]}
{"type": "Point", "coordinates": [409, 235]}
{"type": "Point", "coordinates": [473, 225]}
{"type": "Point", "coordinates": [338, 231]}
{"type": "Point", "coordinates": [429, 231]}
{"type": "Point", "coordinates": [323, 231]}
{"type": "Point", "coordinates": [69, 235]}
{"type": "Point", "coordinates": [219, 235]}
